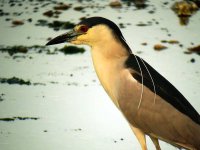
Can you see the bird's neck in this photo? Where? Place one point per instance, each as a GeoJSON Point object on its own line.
{"type": "Point", "coordinates": [109, 54]}
{"type": "Point", "coordinates": [110, 49]}
{"type": "Point", "coordinates": [109, 61]}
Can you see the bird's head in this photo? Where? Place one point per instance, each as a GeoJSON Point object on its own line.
{"type": "Point", "coordinates": [91, 31]}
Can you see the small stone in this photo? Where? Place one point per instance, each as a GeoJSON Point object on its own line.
{"type": "Point", "coordinates": [11, 5]}
{"type": "Point", "coordinates": [71, 50]}
{"type": "Point", "coordinates": [170, 41]}
{"type": "Point", "coordinates": [17, 22]}
{"type": "Point", "coordinates": [173, 42]}
{"type": "Point", "coordinates": [49, 38]}
{"type": "Point", "coordinates": [78, 8]}
{"type": "Point", "coordinates": [159, 47]}
{"type": "Point", "coordinates": [62, 7]}
{"type": "Point", "coordinates": [115, 4]}
{"type": "Point", "coordinates": [30, 20]}
{"type": "Point", "coordinates": [7, 19]}
{"type": "Point", "coordinates": [144, 43]}
{"type": "Point", "coordinates": [121, 25]}
{"type": "Point", "coordinates": [48, 13]}
{"type": "Point", "coordinates": [192, 60]}
{"type": "Point", "coordinates": [187, 52]}
{"type": "Point", "coordinates": [180, 45]}
{"type": "Point", "coordinates": [195, 49]}
{"type": "Point", "coordinates": [139, 52]}
{"type": "Point", "coordinates": [57, 12]}
{"type": "Point", "coordinates": [165, 3]}
{"type": "Point", "coordinates": [141, 24]}
{"type": "Point", "coordinates": [82, 18]}
{"type": "Point", "coordinates": [151, 12]}
{"type": "Point", "coordinates": [164, 41]}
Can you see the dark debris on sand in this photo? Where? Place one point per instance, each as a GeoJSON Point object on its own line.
{"type": "Point", "coordinates": [12, 50]}
{"type": "Point", "coordinates": [195, 49]}
{"type": "Point", "coordinates": [2, 97]}
{"type": "Point", "coordinates": [79, 8]}
{"type": "Point", "coordinates": [18, 118]}
{"type": "Point", "coordinates": [184, 10]}
{"type": "Point", "coordinates": [62, 6]}
{"type": "Point", "coordinates": [192, 60]}
{"type": "Point", "coordinates": [51, 13]}
{"type": "Point", "coordinates": [115, 4]}
{"type": "Point", "coordinates": [170, 41]}
{"type": "Point", "coordinates": [14, 80]}
{"type": "Point", "coordinates": [61, 25]}
{"type": "Point", "coordinates": [159, 47]}
{"type": "Point", "coordinates": [72, 50]}
{"type": "Point", "coordinates": [139, 4]}
{"type": "Point", "coordinates": [17, 22]}
{"type": "Point", "coordinates": [56, 24]}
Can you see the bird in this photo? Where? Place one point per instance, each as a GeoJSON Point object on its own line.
{"type": "Point", "coordinates": [151, 105]}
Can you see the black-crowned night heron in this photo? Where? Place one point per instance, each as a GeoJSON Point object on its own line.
{"type": "Point", "coordinates": [150, 103]}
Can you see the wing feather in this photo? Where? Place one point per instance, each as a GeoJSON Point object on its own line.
{"type": "Point", "coordinates": [157, 83]}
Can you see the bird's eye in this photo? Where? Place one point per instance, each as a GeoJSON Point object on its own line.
{"type": "Point", "coordinates": [83, 28]}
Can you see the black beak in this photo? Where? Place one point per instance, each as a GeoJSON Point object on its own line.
{"type": "Point", "coordinates": [66, 37]}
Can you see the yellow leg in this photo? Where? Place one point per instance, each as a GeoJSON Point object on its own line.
{"type": "Point", "coordinates": [155, 142]}
{"type": "Point", "coordinates": [140, 136]}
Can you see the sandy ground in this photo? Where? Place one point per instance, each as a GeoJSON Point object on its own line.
{"type": "Point", "coordinates": [72, 109]}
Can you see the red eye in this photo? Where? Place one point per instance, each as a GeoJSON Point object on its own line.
{"type": "Point", "coordinates": [83, 28]}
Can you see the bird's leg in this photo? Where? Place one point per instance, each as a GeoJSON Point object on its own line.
{"type": "Point", "coordinates": [155, 142]}
{"type": "Point", "coordinates": [140, 136]}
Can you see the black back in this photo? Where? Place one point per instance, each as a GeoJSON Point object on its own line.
{"type": "Point", "coordinates": [162, 86]}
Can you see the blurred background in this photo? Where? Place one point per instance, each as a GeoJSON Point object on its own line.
{"type": "Point", "coordinates": [50, 97]}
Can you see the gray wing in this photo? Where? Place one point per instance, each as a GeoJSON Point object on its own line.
{"type": "Point", "coordinates": [154, 81]}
